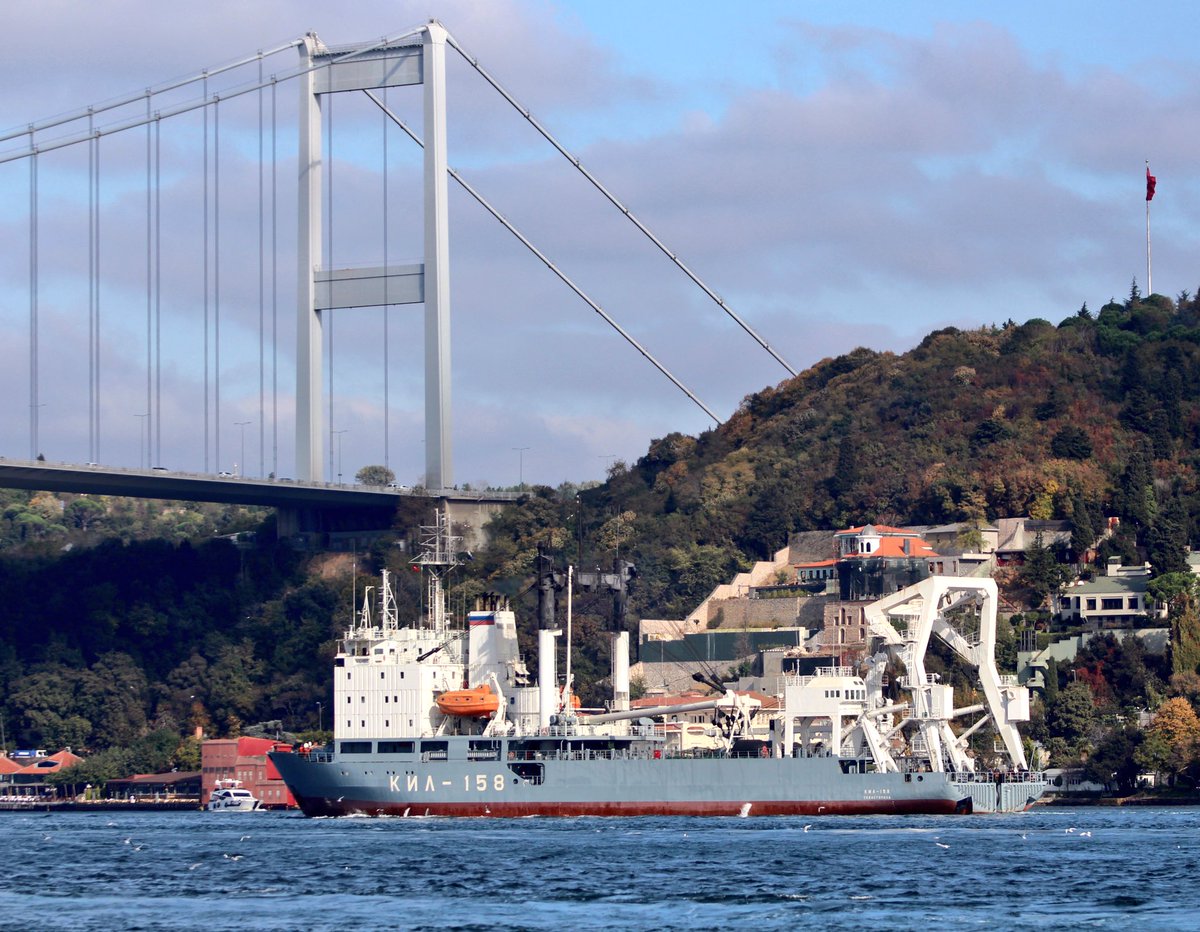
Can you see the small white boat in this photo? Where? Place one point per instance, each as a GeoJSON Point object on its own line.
{"type": "Point", "coordinates": [231, 796]}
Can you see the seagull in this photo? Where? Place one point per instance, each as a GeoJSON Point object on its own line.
{"type": "Point", "coordinates": [139, 847]}
{"type": "Point", "coordinates": [1023, 836]}
{"type": "Point", "coordinates": [1070, 831]}
{"type": "Point", "coordinates": [940, 845]}
{"type": "Point", "coordinates": [1085, 834]}
{"type": "Point", "coordinates": [128, 840]}
{"type": "Point", "coordinates": [244, 837]}
{"type": "Point", "coordinates": [194, 866]}
{"type": "Point", "coordinates": [232, 857]}
{"type": "Point", "coordinates": [46, 837]}
{"type": "Point", "coordinates": [807, 827]}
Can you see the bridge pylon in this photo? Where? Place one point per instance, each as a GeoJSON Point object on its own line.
{"type": "Point", "coordinates": [419, 58]}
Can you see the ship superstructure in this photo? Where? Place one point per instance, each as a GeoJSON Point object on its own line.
{"type": "Point", "coordinates": [439, 718]}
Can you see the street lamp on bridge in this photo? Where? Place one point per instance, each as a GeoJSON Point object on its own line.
{"type": "Point", "coordinates": [242, 462]}
{"type": "Point", "coordinates": [338, 434]}
{"type": "Point", "coordinates": [520, 466]}
{"type": "Point", "coordinates": [142, 439]}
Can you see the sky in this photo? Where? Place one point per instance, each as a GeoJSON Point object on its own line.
{"type": "Point", "coordinates": [841, 175]}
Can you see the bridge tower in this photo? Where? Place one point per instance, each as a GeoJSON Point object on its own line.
{"type": "Point", "coordinates": [418, 59]}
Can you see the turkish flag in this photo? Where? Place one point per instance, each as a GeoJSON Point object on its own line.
{"type": "Point", "coordinates": [1150, 183]}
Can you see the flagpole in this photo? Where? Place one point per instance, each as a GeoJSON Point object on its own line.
{"type": "Point", "coordinates": [1149, 194]}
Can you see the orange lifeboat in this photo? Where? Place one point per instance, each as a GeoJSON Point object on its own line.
{"type": "Point", "coordinates": [479, 702]}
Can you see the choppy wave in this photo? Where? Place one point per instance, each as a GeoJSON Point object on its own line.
{"type": "Point", "coordinates": [184, 871]}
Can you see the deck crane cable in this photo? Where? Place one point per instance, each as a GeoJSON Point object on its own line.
{"type": "Point", "coordinates": [612, 199]}
{"type": "Point", "coordinates": [547, 262]}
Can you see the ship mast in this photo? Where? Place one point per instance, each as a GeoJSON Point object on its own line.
{"type": "Point", "coordinates": [567, 707]}
{"type": "Point", "coordinates": [439, 555]}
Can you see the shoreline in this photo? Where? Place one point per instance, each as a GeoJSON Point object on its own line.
{"type": "Point", "coordinates": [97, 805]}
{"type": "Point", "coordinates": [1071, 801]}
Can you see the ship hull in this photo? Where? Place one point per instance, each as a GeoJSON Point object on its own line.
{"type": "Point", "coordinates": [649, 787]}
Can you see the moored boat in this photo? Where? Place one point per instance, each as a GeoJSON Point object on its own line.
{"type": "Point", "coordinates": [231, 796]}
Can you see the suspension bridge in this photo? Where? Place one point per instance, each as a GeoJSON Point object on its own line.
{"type": "Point", "coordinates": [191, 225]}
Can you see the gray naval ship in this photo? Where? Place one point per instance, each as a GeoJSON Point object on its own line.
{"type": "Point", "coordinates": [435, 719]}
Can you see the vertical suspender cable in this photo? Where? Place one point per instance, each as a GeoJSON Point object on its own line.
{"type": "Point", "coordinates": [33, 297]}
{"type": "Point", "coordinates": [274, 288]}
{"type": "Point", "coordinates": [206, 273]}
{"type": "Point", "coordinates": [329, 257]}
{"type": "Point", "coordinates": [158, 291]}
{"type": "Point", "coordinates": [149, 285]}
{"type": "Point", "coordinates": [91, 292]}
{"type": "Point", "coordinates": [217, 280]}
{"type": "Point", "coordinates": [99, 302]}
{"type": "Point", "coordinates": [387, 309]}
{"type": "Point", "coordinates": [261, 284]}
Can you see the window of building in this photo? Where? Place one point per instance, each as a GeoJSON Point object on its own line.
{"type": "Point", "coordinates": [1111, 605]}
{"type": "Point", "coordinates": [1091, 605]}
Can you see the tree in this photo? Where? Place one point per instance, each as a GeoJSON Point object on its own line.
{"type": "Point", "coordinates": [1041, 573]}
{"type": "Point", "coordinates": [1179, 592]}
{"type": "Point", "coordinates": [1114, 760]}
{"type": "Point", "coordinates": [1083, 535]}
{"type": "Point", "coordinates": [374, 475]}
{"type": "Point", "coordinates": [1073, 714]}
{"type": "Point", "coordinates": [1166, 540]}
{"type": "Point", "coordinates": [1175, 729]}
{"type": "Point", "coordinates": [1071, 443]}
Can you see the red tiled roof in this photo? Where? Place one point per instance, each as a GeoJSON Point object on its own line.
{"type": "Point", "coordinates": [8, 765]}
{"type": "Point", "coordinates": [51, 764]}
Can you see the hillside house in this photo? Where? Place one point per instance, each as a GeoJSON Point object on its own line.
{"type": "Point", "coordinates": [1117, 599]}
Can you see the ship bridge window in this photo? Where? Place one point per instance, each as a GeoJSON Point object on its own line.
{"type": "Point", "coordinates": [434, 750]}
{"type": "Point", "coordinates": [395, 747]}
{"type": "Point", "coordinates": [356, 747]}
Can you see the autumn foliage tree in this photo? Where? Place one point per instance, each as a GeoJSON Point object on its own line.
{"type": "Point", "coordinates": [1172, 743]}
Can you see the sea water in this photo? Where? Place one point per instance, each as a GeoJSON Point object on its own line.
{"type": "Point", "coordinates": [1078, 868]}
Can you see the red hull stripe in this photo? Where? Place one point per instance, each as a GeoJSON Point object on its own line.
{"type": "Point", "coordinates": [320, 807]}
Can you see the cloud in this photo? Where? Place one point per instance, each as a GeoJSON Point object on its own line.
{"type": "Point", "coordinates": [875, 185]}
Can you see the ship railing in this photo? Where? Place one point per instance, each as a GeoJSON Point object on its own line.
{"type": "Point", "coordinates": [997, 776]}
{"type": "Point", "coordinates": [320, 756]}
{"type": "Point", "coordinates": [789, 679]}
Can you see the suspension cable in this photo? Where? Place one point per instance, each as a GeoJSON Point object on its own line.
{"type": "Point", "coordinates": [548, 263]}
{"type": "Point", "coordinates": [574, 160]}
{"type": "Point", "coordinates": [117, 102]}
{"type": "Point", "coordinates": [227, 93]}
